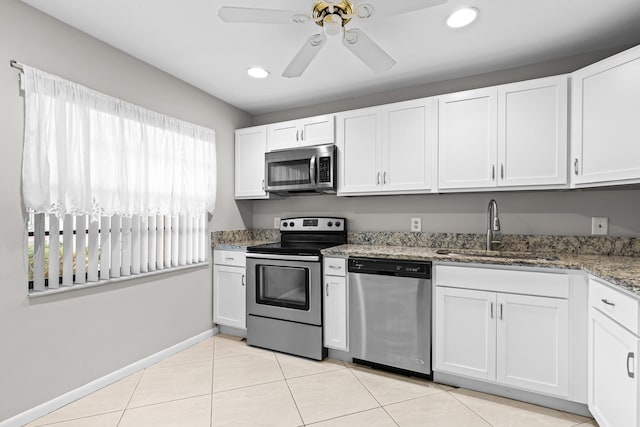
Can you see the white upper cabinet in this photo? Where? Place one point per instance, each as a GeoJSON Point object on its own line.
{"type": "Point", "coordinates": [300, 133]}
{"type": "Point", "coordinates": [250, 146]}
{"type": "Point", "coordinates": [467, 139]}
{"type": "Point", "coordinates": [605, 129]}
{"type": "Point", "coordinates": [512, 135]}
{"type": "Point", "coordinates": [359, 136]}
{"type": "Point", "coordinates": [533, 132]}
{"type": "Point", "coordinates": [387, 149]}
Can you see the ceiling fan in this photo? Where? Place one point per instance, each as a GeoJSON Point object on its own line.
{"type": "Point", "coordinates": [332, 16]}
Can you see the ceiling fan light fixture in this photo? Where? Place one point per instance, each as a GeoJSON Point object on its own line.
{"type": "Point", "coordinates": [257, 72]}
{"type": "Point", "coordinates": [462, 17]}
{"type": "Point", "coordinates": [332, 24]}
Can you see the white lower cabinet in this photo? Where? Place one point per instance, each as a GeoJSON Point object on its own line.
{"type": "Point", "coordinates": [335, 304]}
{"type": "Point", "coordinates": [614, 388]}
{"type": "Point", "coordinates": [511, 339]}
{"type": "Point", "coordinates": [229, 289]}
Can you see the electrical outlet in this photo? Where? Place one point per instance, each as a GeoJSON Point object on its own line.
{"type": "Point", "coordinates": [600, 225]}
{"type": "Point", "coordinates": [276, 222]}
{"type": "Point", "coordinates": [416, 224]}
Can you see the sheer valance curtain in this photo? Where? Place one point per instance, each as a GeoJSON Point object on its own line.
{"type": "Point", "coordinates": [90, 155]}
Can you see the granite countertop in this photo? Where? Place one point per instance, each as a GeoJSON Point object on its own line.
{"type": "Point", "coordinates": [623, 271]}
{"type": "Point", "coordinates": [239, 245]}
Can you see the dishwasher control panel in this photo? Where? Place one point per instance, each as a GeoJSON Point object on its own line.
{"type": "Point", "coordinates": [391, 267]}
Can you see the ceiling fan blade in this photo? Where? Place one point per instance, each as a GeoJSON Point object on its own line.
{"type": "Point", "coordinates": [303, 58]}
{"type": "Point", "coordinates": [261, 16]}
{"type": "Point", "coordinates": [364, 11]}
{"type": "Point", "coordinates": [367, 50]}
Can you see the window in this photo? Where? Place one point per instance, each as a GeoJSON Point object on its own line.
{"type": "Point", "coordinates": [111, 189]}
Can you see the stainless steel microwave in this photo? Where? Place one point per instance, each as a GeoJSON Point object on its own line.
{"type": "Point", "coordinates": [305, 170]}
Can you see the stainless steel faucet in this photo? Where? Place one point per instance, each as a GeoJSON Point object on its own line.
{"type": "Point", "coordinates": [493, 226]}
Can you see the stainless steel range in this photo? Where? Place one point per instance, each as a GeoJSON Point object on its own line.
{"type": "Point", "coordinates": [284, 286]}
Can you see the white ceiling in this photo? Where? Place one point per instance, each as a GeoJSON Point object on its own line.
{"type": "Point", "coordinates": [186, 38]}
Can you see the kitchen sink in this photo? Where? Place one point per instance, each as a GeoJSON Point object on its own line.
{"type": "Point", "coordinates": [496, 254]}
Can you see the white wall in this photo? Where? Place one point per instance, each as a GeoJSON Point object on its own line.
{"type": "Point", "coordinates": [51, 345]}
{"type": "Point", "coordinates": [540, 212]}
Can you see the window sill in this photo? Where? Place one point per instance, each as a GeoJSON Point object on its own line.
{"type": "Point", "coordinates": [76, 287]}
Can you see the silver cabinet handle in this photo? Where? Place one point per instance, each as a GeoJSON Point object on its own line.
{"type": "Point", "coordinates": [502, 171]}
{"type": "Point", "coordinates": [607, 302]}
{"type": "Point", "coordinates": [500, 311]}
{"type": "Point", "coordinates": [335, 267]}
{"type": "Point", "coordinates": [302, 135]}
{"type": "Point", "coordinates": [630, 356]}
{"type": "Point", "coordinates": [263, 184]}
{"type": "Point", "coordinates": [229, 258]}
{"type": "Point", "coordinates": [242, 280]}
{"type": "Point", "coordinates": [326, 287]}
{"type": "Point", "coordinates": [378, 178]}
{"type": "Point", "coordinates": [575, 166]}
{"type": "Point", "coordinates": [493, 172]}
{"type": "Point", "coordinates": [297, 135]}
{"type": "Point", "coordinates": [491, 304]}
{"type": "Point", "coordinates": [384, 178]}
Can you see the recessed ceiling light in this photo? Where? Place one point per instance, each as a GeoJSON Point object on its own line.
{"type": "Point", "coordinates": [257, 72]}
{"type": "Point", "coordinates": [462, 17]}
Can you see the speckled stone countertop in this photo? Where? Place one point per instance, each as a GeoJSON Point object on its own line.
{"type": "Point", "coordinates": [239, 246]}
{"type": "Point", "coordinates": [623, 271]}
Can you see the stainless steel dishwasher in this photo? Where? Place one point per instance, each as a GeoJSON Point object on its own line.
{"type": "Point", "coordinates": [390, 314]}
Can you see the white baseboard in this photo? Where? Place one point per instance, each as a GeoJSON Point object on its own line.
{"type": "Point", "coordinates": [95, 385]}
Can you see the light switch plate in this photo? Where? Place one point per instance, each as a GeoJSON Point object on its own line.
{"type": "Point", "coordinates": [276, 222]}
{"type": "Point", "coordinates": [600, 225]}
{"type": "Point", "coordinates": [416, 224]}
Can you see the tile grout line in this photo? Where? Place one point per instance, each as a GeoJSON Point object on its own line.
{"type": "Point", "coordinates": [469, 408]}
{"type": "Point", "coordinates": [374, 398]}
{"type": "Point", "coordinates": [286, 381]}
{"type": "Point", "coordinates": [131, 397]}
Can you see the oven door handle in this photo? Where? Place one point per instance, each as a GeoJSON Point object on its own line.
{"type": "Point", "coordinates": [284, 257]}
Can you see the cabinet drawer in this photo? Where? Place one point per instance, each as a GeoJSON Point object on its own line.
{"type": "Point", "coordinates": [335, 266]}
{"type": "Point", "coordinates": [618, 306]}
{"type": "Point", "coordinates": [235, 258]}
{"type": "Point", "coordinates": [509, 281]}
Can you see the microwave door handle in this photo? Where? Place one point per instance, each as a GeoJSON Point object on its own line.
{"type": "Point", "coordinates": [312, 170]}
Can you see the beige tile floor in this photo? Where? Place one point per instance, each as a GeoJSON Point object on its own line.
{"type": "Point", "coordinates": [224, 382]}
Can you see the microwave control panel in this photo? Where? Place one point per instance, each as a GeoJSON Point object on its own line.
{"type": "Point", "coordinates": [324, 169]}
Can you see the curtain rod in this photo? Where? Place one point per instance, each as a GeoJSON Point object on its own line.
{"type": "Point", "coordinates": [15, 64]}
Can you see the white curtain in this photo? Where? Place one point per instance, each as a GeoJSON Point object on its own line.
{"type": "Point", "coordinates": [86, 153]}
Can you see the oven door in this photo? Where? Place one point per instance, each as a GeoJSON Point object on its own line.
{"type": "Point", "coordinates": [285, 287]}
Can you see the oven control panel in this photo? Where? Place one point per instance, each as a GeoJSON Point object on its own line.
{"type": "Point", "coordinates": [313, 224]}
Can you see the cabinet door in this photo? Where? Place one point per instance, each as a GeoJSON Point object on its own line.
{"type": "Point", "coordinates": [335, 312]}
{"type": "Point", "coordinates": [465, 332]}
{"type": "Point", "coordinates": [532, 343]}
{"type": "Point", "coordinates": [408, 132]}
{"type": "Point", "coordinates": [283, 135]}
{"type": "Point", "coordinates": [250, 146]}
{"type": "Point", "coordinates": [467, 139]}
{"type": "Point", "coordinates": [317, 130]}
{"type": "Point", "coordinates": [229, 296]}
{"type": "Point", "coordinates": [359, 156]}
{"type": "Point", "coordinates": [605, 127]}
{"type": "Point", "coordinates": [532, 132]}
{"type": "Point", "coordinates": [613, 372]}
